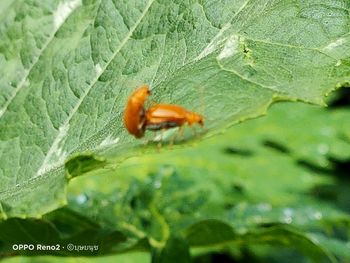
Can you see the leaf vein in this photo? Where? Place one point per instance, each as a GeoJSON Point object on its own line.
{"type": "Point", "coordinates": [271, 88]}
{"type": "Point", "coordinates": [205, 51]}
{"type": "Point", "coordinates": [35, 61]}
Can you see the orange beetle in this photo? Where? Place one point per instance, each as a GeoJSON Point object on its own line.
{"type": "Point", "coordinates": [134, 115]}
{"type": "Point", "coordinates": [166, 116]}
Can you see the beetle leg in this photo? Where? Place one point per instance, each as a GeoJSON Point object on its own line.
{"type": "Point", "coordinates": [194, 131]}
{"type": "Point", "coordinates": [173, 138]}
{"type": "Point", "coordinates": [145, 142]}
{"type": "Point", "coordinates": [161, 139]}
{"type": "Point", "coordinates": [180, 133]}
{"type": "Point", "coordinates": [141, 125]}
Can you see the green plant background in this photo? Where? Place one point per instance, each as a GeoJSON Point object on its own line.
{"type": "Point", "coordinates": [269, 189]}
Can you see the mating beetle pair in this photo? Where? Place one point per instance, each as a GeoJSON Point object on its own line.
{"type": "Point", "coordinates": [158, 117]}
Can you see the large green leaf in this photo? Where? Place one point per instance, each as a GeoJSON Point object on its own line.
{"type": "Point", "coordinates": [68, 66]}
